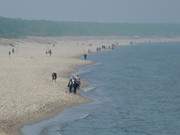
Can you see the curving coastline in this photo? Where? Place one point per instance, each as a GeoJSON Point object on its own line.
{"type": "Point", "coordinates": [27, 92]}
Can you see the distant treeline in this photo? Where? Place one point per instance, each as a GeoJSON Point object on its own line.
{"type": "Point", "coordinates": [19, 27]}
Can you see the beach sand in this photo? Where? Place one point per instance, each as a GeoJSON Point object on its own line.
{"type": "Point", "coordinates": [27, 93]}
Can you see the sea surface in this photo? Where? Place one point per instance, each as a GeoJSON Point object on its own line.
{"type": "Point", "coordinates": [136, 91]}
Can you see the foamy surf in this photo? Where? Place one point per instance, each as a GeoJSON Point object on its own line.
{"type": "Point", "coordinates": [84, 116]}
{"type": "Point", "coordinates": [90, 88]}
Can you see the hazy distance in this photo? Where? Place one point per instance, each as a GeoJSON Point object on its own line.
{"type": "Point", "coordinates": [93, 10]}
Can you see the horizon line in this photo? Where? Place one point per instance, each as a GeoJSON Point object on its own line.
{"type": "Point", "coordinates": [77, 21]}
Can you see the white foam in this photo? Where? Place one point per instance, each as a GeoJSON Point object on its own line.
{"type": "Point", "coordinates": [90, 88]}
{"type": "Point", "coordinates": [84, 116]}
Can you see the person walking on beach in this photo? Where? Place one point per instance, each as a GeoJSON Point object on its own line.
{"type": "Point", "coordinates": [70, 84]}
{"type": "Point", "coordinates": [54, 76]}
{"type": "Point", "coordinates": [98, 49]}
{"type": "Point", "coordinates": [74, 84]}
{"type": "Point", "coordinates": [50, 52]}
{"type": "Point", "coordinates": [9, 53]}
{"type": "Point", "coordinates": [13, 50]}
{"type": "Point", "coordinates": [46, 52]}
{"type": "Point", "coordinates": [85, 56]}
{"type": "Point", "coordinates": [78, 81]}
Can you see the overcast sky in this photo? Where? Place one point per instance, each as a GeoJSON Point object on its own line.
{"type": "Point", "coordinates": [93, 10]}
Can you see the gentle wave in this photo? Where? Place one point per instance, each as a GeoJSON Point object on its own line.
{"type": "Point", "coordinates": [90, 88]}
{"type": "Point", "coordinates": [87, 69]}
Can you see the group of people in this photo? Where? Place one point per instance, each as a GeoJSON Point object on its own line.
{"type": "Point", "coordinates": [103, 47]}
{"type": "Point", "coordinates": [74, 84]}
{"type": "Point", "coordinates": [11, 52]}
{"type": "Point", "coordinates": [48, 52]}
{"type": "Point", "coordinates": [49, 49]}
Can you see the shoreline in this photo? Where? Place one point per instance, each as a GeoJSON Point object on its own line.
{"type": "Point", "coordinates": [43, 114]}
{"type": "Point", "coordinates": [50, 109]}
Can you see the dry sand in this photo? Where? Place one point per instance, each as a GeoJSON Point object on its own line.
{"type": "Point", "coordinates": [27, 92]}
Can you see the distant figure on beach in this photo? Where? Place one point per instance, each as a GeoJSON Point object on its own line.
{"type": "Point", "coordinates": [103, 47]}
{"type": "Point", "coordinates": [131, 43]}
{"type": "Point", "coordinates": [113, 46]}
{"type": "Point", "coordinates": [46, 52]}
{"type": "Point", "coordinates": [12, 50]}
{"type": "Point", "coordinates": [70, 85]}
{"type": "Point", "coordinates": [85, 56]}
{"type": "Point", "coordinates": [78, 81]}
{"type": "Point", "coordinates": [50, 52]}
{"type": "Point", "coordinates": [98, 49]}
{"type": "Point", "coordinates": [9, 53]}
{"type": "Point", "coordinates": [54, 76]}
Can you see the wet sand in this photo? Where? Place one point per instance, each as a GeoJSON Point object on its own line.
{"type": "Point", "coordinates": [27, 93]}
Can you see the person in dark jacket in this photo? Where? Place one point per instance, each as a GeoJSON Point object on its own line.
{"type": "Point", "coordinates": [54, 76]}
{"type": "Point", "coordinates": [85, 56]}
{"type": "Point", "coordinates": [74, 84]}
{"type": "Point", "coordinates": [70, 85]}
{"type": "Point", "coordinates": [12, 50]}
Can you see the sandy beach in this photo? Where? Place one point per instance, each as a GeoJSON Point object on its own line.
{"type": "Point", "coordinates": [27, 93]}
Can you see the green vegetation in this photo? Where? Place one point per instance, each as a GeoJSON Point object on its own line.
{"type": "Point", "coordinates": [18, 28]}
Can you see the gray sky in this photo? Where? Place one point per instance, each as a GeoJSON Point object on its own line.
{"type": "Point", "coordinates": [93, 10]}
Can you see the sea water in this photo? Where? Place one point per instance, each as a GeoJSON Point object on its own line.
{"type": "Point", "coordinates": [136, 91]}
